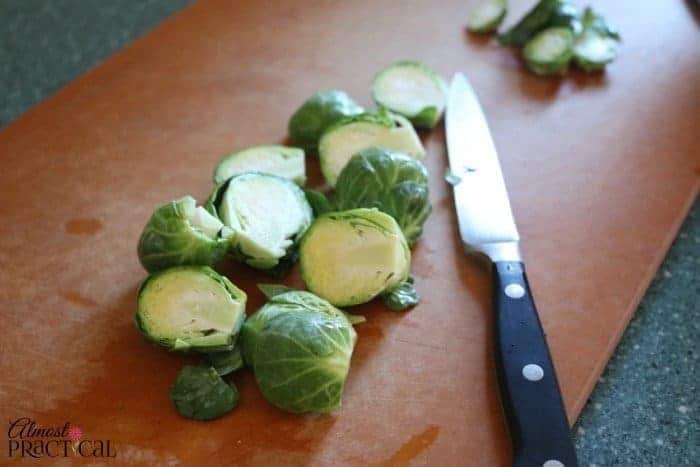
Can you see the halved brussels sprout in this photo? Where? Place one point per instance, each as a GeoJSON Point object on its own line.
{"type": "Point", "coordinates": [265, 216]}
{"type": "Point", "coordinates": [350, 257]}
{"type": "Point", "coordinates": [299, 346]}
{"type": "Point", "coordinates": [411, 89]}
{"type": "Point", "coordinates": [180, 233]}
{"type": "Point", "coordinates": [199, 393]}
{"type": "Point", "coordinates": [283, 161]}
{"type": "Point", "coordinates": [190, 308]}
{"type": "Point", "coordinates": [597, 45]}
{"type": "Point", "coordinates": [350, 136]}
{"type": "Point", "coordinates": [486, 16]}
{"type": "Point", "coordinates": [550, 51]}
{"type": "Point", "coordinates": [389, 181]}
{"type": "Point", "coordinates": [319, 112]}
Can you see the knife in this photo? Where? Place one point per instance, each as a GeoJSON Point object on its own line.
{"type": "Point", "coordinates": [528, 384]}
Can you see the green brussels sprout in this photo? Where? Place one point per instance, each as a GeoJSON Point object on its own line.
{"type": "Point", "coordinates": [350, 257]}
{"type": "Point", "coordinates": [226, 362]}
{"type": "Point", "coordinates": [411, 89]}
{"type": "Point", "coordinates": [389, 181]}
{"type": "Point", "coordinates": [533, 22]}
{"type": "Point", "coordinates": [550, 51]}
{"type": "Point", "coordinates": [597, 45]}
{"type": "Point", "coordinates": [566, 15]}
{"type": "Point", "coordinates": [299, 346]}
{"type": "Point", "coordinates": [265, 216]}
{"type": "Point", "coordinates": [486, 16]}
{"type": "Point", "coordinates": [319, 112]}
{"type": "Point", "coordinates": [190, 308]}
{"type": "Point", "coordinates": [282, 161]}
{"type": "Point", "coordinates": [199, 393]}
{"type": "Point", "coordinates": [596, 23]}
{"type": "Point", "coordinates": [180, 233]}
{"type": "Point", "coordinates": [350, 136]}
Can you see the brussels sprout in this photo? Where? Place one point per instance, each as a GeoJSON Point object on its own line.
{"type": "Point", "coordinates": [199, 393]}
{"type": "Point", "coordinates": [566, 15]}
{"type": "Point", "coordinates": [283, 161]}
{"type": "Point", "coordinates": [180, 233]}
{"type": "Point", "coordinates": [389, 181]}
{"type": "Point", "coordinates": [299, 346]}
{"type": "Point", "coordinates": [226, 362]}
{"type": "Point", "coordinates": [350, 136]}
{"type": "Point", "coordinates": [319, 112]}
{"type": "Point", "coordinates": [550, 51]}
{"type": "Point", "coordinates": [350, 257]}
{"type": "Point", "coordinates": [597, 45]}
{"type": "Point", "coordinates": [486, 16]}
{"type": "Point", "coordinates": [530, 24]}
{"type": "Point", "coordinates": [266, 215]}
{"type": "Point", "coordinates": [413, 90]}
{"type": "Point", "coordinates": [319, 202]}
{"type": "Point", "coordinates": [190, 308]}
{"type": "Point", "coordinates": [596, 23]}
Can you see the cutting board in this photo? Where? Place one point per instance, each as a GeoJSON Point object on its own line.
{"type": "Point", "coordinates": [601, 170]}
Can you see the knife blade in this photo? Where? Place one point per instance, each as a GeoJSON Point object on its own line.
{"type": "Point", "coordinates": [530, 393]}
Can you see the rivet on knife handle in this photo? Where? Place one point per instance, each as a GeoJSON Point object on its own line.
{"type": "Point", "coordinates": [529, 388]}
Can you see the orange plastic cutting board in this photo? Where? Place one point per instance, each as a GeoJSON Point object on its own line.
{"type": "Point", "coordinates": [601, 170]}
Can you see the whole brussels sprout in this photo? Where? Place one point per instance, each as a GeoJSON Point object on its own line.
{"type": "Point", "coordinates": [180, 233]}
{"type": "Point", "coordinates": [299, 346]}
{"type": "Point", "coordinates": [318, 113]}
{"type": "Point", "coordinates": [390, 181]}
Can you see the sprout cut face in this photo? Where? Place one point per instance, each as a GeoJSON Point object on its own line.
{"type": "Point", "coordinates": [190, 308]}
{"type": "Point", "coordinates": [180, 233]}
{"type": "Point", "coordinates": [550, 51]}
{"type": "Point", "coordinates": [351, 136]}
{"type": "Point", "coordinates": [413, 90]}
{"type": "Point", "coordinates": [350, 257]}
{"type": "Point", "coordinates": [267, 215]}
{"type": "Point", "coordinates": [282, 161]}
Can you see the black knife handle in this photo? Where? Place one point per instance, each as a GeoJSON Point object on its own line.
{"type": "Point", "coordinates": [529, 389]}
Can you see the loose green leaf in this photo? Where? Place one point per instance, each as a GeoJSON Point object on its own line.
{"type": "Point", "coordinates": [226, 362]}
{"type": "Point", "coordinates": [319, 202]}
{"type": "Point", "coordinates": [199, 393]}
{"type": "Point", "coordinates": [272, 290]}
{"type": "Point", "coordinates": [403, 297]}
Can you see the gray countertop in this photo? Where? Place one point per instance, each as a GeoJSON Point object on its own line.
{"type": "Point", "coordinates": [645, 409]}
